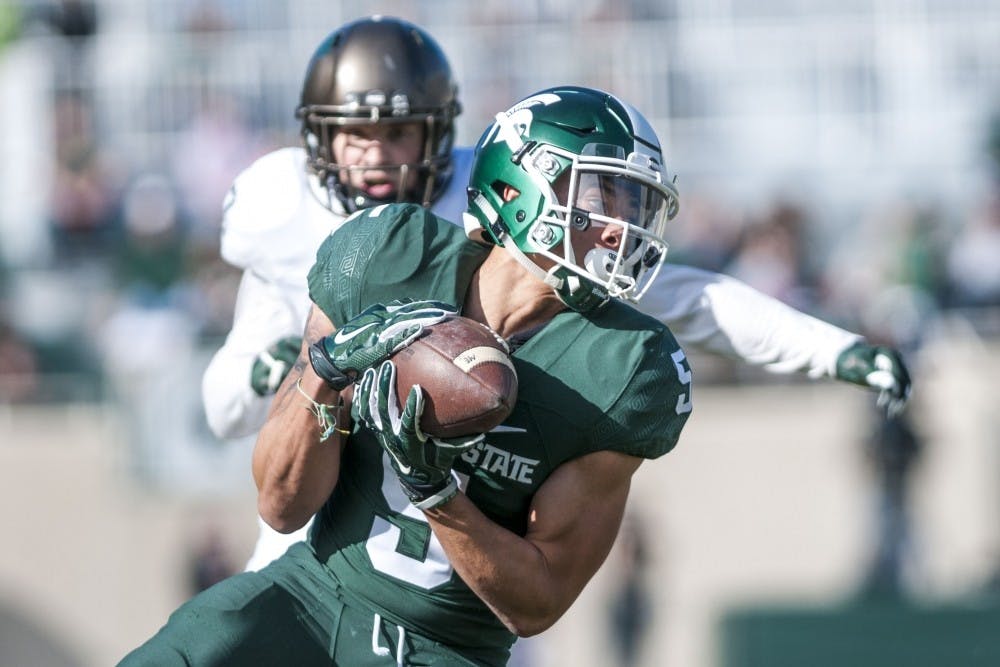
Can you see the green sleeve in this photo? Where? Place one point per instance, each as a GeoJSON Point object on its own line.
{"type": "Point", "coordinates": [338, 273]}
{"type": "Point", "coordinates": [647, 418]}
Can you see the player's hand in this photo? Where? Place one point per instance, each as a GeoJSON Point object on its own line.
{"type": "Point", "coordinates": [422, 463]}
{"type": "Point", "coordinates": [879, 368]}
{"type": "Point", "coordinates": [272, 365]}
{"type": "Point", "coordinates": [372, 337]}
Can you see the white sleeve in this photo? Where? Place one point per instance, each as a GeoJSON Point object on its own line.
{"type": "Point", "coordinates": [722, 315]}
{"type": "Point", "coordinates": [263, 314]}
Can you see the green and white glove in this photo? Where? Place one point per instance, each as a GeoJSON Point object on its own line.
{"type": "Point", "coordinates": [272, 365]}
{"type": "Point", "coordinates": [879, 368]}
{"type": "Point", "coordinates": [371, 337]}
{"type": "Point", "coordinates": [422, 463]}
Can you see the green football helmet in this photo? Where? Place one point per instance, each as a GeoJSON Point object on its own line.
{"type": "Point", "coordinates": [378, 71]}
{"type": "Point", "coordinates": [574, 157]}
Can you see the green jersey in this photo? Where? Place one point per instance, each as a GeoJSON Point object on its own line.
{"type": "Point", "coordinates": [613, 379]}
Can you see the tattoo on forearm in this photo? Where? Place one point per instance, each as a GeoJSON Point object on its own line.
{"type": "Point", "coordinates": [285, 390]}
{"type": "Point", "coordinates": [316, 327]}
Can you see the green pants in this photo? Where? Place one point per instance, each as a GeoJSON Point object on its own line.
{"type": "Point", "coordinates": [289, 613]}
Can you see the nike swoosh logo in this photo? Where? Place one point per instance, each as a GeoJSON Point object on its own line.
{"type": "Point", "coordinates": [340, 337]}
{"type": "Point", "coordinates": [507, 429]}
{"type": "Point", "coordinates": [402, 467]}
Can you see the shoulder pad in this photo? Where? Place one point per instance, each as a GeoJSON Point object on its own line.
{"type": "Point", "coordinates": [263, 198]}
{"type": "Point", "coordinates": [390, 214]}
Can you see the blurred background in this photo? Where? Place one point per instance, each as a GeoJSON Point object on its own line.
{"type": "Point", "coordinates": [842, 156]}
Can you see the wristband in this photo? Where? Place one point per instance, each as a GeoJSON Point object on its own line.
{"type": "Point", "coordinates": [324, 368]}
{"type": "Point", "coordinates": [431, 496]}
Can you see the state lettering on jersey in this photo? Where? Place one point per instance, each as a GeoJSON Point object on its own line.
{"type": "Point", "coordinates": [497, 461]}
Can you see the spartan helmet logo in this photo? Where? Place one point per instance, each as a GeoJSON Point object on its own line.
{"type": "Point", "coordinates": [520, 115]}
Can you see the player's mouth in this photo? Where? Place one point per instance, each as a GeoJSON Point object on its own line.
{"type": "Point", "coordinates": [380, 190]}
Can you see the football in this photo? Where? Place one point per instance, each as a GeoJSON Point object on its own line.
{"type": "Point", "coordinates": [468, 379]}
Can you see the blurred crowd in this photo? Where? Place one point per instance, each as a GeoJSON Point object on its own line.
{"type": "Point", "coordinates": [130, 256]}
{"type": "Point", "coordinates": [132, 261]}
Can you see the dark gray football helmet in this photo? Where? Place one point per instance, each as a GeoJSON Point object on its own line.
{"type": "Point", "coordinates": [380, 70]}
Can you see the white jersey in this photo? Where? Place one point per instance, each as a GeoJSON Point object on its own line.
{"type": "Point", "coordinates": [277, 214]}
{"type": "Point", "coordinates": [722, 315]}
{"type": "Point", "coordinates": [275, 218]}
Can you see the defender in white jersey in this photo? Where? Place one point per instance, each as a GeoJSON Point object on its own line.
{"type": "Point", "coordinates": [377, 108]}
{"type": "Point", "coordinates": [368, 84]}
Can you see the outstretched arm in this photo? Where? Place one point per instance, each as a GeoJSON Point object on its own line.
{"type": "Point", "coordinates": [722, 315]}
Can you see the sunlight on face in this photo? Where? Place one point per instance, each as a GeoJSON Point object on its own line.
{"type": "Point", "coordinates": [372, 154]}
{"type": "Point", "coordinates": [614, 197]}
{"type": "Point", "coordinates": [593, 199]}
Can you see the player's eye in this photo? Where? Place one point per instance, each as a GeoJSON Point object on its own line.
{"type": "Point", "coordinates": [401, 133]}
{"type": "Point", "coordinates": [354, 137]}
{"type": "Point", "coordinates": [594, 204]}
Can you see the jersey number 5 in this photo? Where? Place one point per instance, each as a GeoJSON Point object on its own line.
{"type": "Point", "coordinates": [403, 545]}
{"type": "Point", "coordinates": [684, 375]}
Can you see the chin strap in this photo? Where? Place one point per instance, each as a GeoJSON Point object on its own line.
{"type": "Point", "coordinates": [474, 230]}
{"type": "Point", "coordinates": [574, 290]}
{"type": "Point", "coordinates": [577, 292]}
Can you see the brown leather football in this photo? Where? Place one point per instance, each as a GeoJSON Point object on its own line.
{"type": "Point", "coordinates": [467, 376]}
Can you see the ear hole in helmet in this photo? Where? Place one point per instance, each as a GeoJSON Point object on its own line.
{"type": "Point", "coordinates": [505, 191]}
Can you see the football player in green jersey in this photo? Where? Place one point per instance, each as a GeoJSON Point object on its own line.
{"type": "Point", "coordinates": [357, 141]}
{"type": "Point", "coordinates": [427, 551]}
